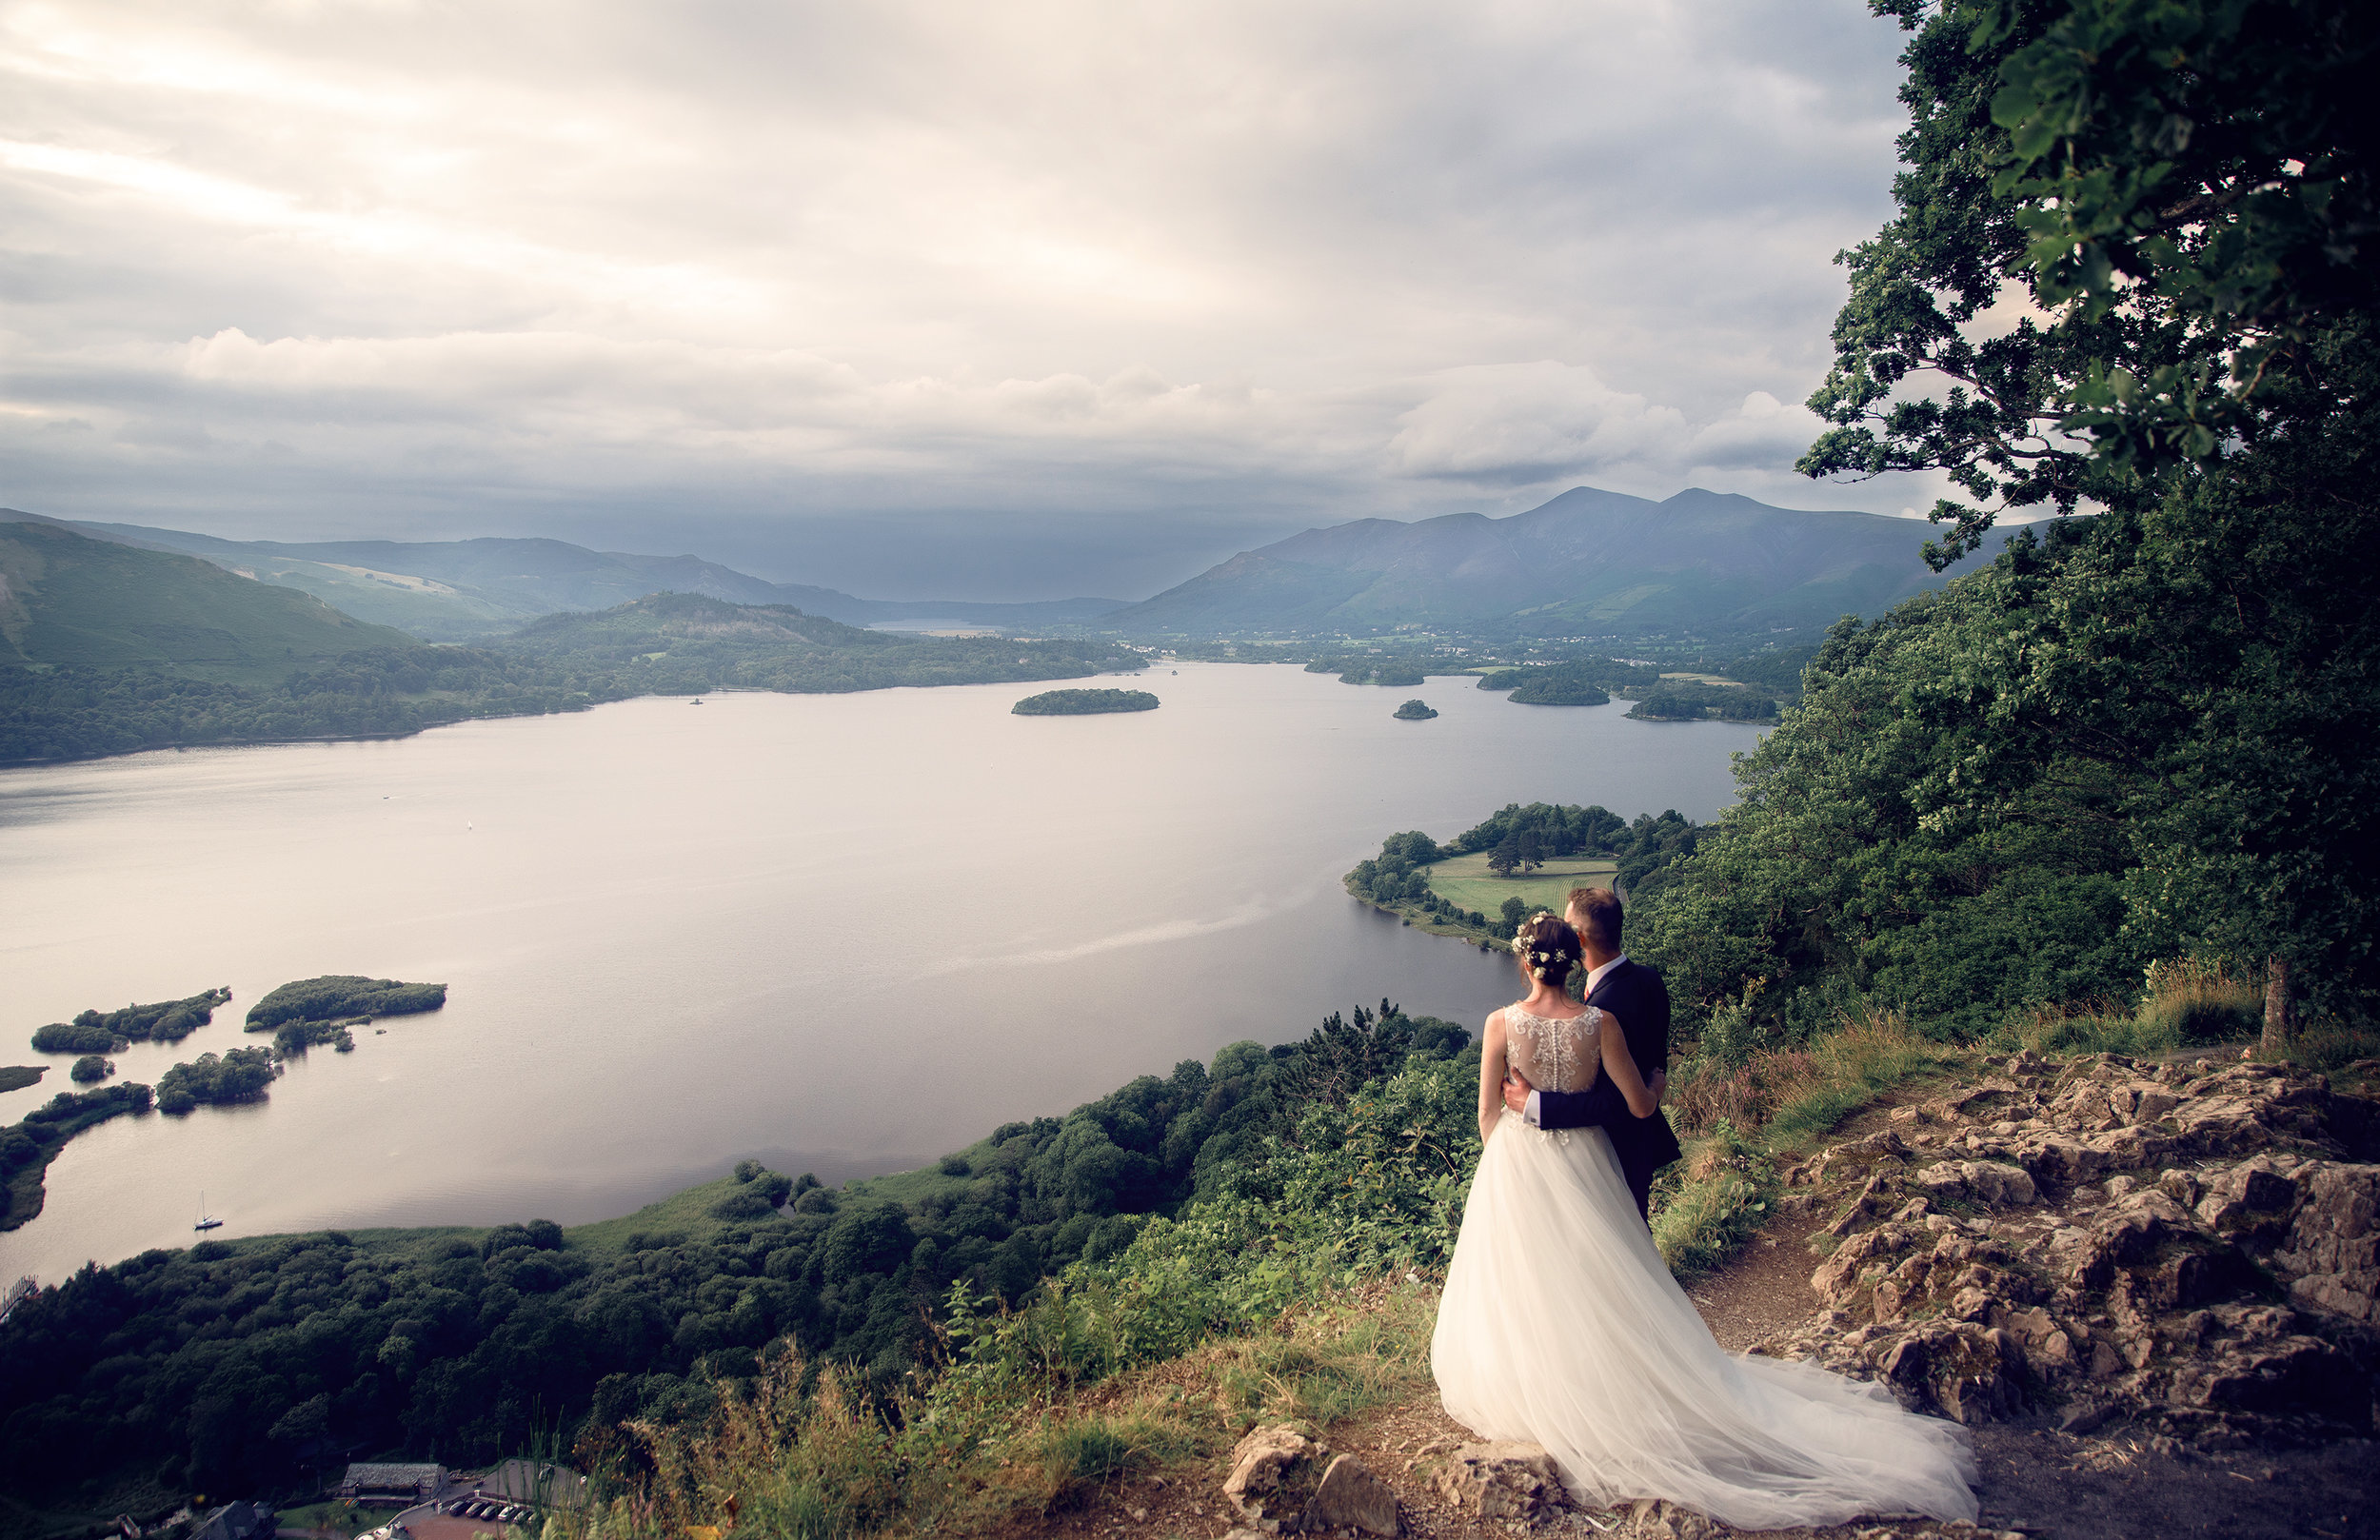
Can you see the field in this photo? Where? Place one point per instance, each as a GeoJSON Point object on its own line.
{"type": "Point", "coordinates": [1466, 882]}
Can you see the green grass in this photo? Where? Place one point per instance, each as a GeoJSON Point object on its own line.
{"type": "Point", "coordinates": [686, 1215]}
{"type": "Point", "coordinates": [1466, 882]}
{"type": "Point", "coordinates": [336, 1516]}
{"type": "Point", "coordinates": [1742, 1124]}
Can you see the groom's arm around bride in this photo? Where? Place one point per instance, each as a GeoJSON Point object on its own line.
{"type": "Point", "coordinates": [1636, 996]}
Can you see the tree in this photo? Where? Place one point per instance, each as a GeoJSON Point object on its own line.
{"type": "Point", "coordinates": [2175, 199]}
{"type": "Point", "coordinates": [1505, 858]}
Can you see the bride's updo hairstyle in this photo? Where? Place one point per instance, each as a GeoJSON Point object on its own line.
{"type": "Point", "coordinates": [1547, 947]}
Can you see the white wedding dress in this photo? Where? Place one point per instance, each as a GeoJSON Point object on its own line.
{"type": "Point", "coordinates": [1561, 1326]}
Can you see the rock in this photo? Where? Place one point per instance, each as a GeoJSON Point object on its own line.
{"type": "Point", "coordinates": [1274, 1472]}
{"type": "Point", "coordinates": [2141, 1288]}
{"type": "Point", "coordinates": [1351, 1497]}
{"type": "Point", "coordinates": [1988, 1182]}
{"type": "Point", "coordinates": [1652, 1518]}
{"type": "Point", "coordinates": [2085, 1417]}
{"type": "Point", "coordinates": [1502, 1480]}
{"type": "Point", "coordinates": [2332, 1256]}
{"type": "Point", "coordinates": [2251, 1202]}
{"type": "Point", "coordinates": [1965, 1371]}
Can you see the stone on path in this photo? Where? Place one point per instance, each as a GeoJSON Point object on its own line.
{"type": "Point", "coordinates": [1502, 1479]}
{"type": "Point", "coordinates": [1274, 1472]}
{"type": "Point", "coordinates": [1351, 1497]}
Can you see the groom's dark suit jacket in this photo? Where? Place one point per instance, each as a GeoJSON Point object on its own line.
{"type": "Point", "coordinates": [1635, 994]}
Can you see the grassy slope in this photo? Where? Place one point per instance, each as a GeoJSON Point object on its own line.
{"type": "Point", "coordinates": [1466, 882]}
{"type": "Point", "coordinates": [69, 599]}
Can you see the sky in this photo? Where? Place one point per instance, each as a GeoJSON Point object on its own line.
{"type": "Point", "coordinates": [1019, 301]}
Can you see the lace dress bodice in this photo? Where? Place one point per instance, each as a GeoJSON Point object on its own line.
{"type": "Point", "coordinates": [1554, 1053]}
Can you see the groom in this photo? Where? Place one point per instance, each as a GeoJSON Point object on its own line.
{"type": "Point", "coordinates": [1635, 994]}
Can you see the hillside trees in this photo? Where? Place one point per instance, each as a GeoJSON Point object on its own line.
{"type": "Point", "coordinates": [470, 1346]}
{"type": "Point", "coordinates": [2174, 203]}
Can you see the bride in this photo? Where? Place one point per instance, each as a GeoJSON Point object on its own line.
{"type": "Point", "coordinates": [1561, 1326]}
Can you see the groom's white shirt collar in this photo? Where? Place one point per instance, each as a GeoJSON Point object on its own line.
{"type": "Point", "coordinates": [1594, 976]}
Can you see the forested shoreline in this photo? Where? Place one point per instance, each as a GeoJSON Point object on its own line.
{"type": "Point", "coordinates": [661, 645]}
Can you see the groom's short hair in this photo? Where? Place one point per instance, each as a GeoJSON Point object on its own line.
{"type": "Point", "coordinates": [1599, 917]}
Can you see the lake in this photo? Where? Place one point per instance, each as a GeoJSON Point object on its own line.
{"type": "Point", "coordinates": [842, 933]}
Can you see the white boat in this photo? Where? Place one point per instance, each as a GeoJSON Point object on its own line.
{"type": "Point", "coordinates": [206, 1220]}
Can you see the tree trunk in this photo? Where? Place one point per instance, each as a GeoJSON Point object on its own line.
{"type": "Point", "coordinates": [2277, 1025]}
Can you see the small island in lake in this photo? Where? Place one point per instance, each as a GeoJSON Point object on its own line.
{"type": "Point", "coordinates": [1083, 703]}
{"type": "Point", "coordinates": [97, 1032]}
{"type": "Point", "coordinates": [1415, 710]}
{"type": "Point", "coordinates": [17, 1076]}
{"type": "Point", "coordinates": [342, 998]}
{"type": "Point", "coordinates": [237, 1074]}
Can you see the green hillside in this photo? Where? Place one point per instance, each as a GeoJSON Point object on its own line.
{"type": "Point", "coordinates": [67, 599]}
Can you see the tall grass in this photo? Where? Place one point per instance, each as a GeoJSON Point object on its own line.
{"type": "Point", "coordinates": [2185, 1002]}
{"type": "Point", "coordinates": [771, 1459]}
{"type": "Point", "coordinates": [1736, 1122]}
{"type": "Point", "coordinates": [1795, 1094]}
{"type": "Point", "coordinates": [801, 1453]}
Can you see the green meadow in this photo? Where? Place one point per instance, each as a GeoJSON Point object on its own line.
{"type": "Point", "coordinates": [1466, 882]}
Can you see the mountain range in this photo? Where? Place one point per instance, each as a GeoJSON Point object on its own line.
{"type": "Point", "coordinates": [468, 590]}
{"type": "Point", "coordinates": [1588, 563]}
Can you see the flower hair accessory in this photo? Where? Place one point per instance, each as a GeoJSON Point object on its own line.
{"type": "Point", "coordinates": [1541, 957]}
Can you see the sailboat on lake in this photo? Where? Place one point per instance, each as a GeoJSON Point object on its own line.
{"type": "Point", "coordinates": [206, 1220]}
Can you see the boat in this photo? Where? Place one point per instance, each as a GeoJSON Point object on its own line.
{"type": "Point", "coordinates": [206, 1220]}
{"type": "Point", "coordinates": [698, 700]}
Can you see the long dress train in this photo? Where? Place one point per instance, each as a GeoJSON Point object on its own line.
{"type": "Point", "coordinates": [1561, 1326]}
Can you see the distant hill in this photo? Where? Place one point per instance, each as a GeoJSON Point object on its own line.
{"type": "Point", "coordinates": [1590, 563]}
{"type": "Point", "coordinates": [464, 590]}
{"type": "Point", "coordinates": [69, 599]}
{"type": "Point", "coordinates": [669, 643]}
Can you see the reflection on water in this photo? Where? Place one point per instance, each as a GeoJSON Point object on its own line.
{"type": "Point", "coordinates": [841, 933]}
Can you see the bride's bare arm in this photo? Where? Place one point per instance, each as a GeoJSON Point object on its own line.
{"type": "Point", "coordinates": [1621, 1066]}
{"type": "Point", "coordinates": [1492, 1070]}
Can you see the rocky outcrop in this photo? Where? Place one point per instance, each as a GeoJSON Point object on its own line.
{"type": "Point", "coordinates": [1282, 1482]}
{"type": "Point", "coordinates": [2193, 1246]}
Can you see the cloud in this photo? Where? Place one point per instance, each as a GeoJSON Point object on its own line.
{"type": "Point", "coordinates": [328, 267]}
{"type": "Point", "coordinates": [1530, 425]}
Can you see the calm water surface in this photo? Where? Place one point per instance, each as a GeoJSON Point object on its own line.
{"type": "Point", "coordinates": [844, 934]}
